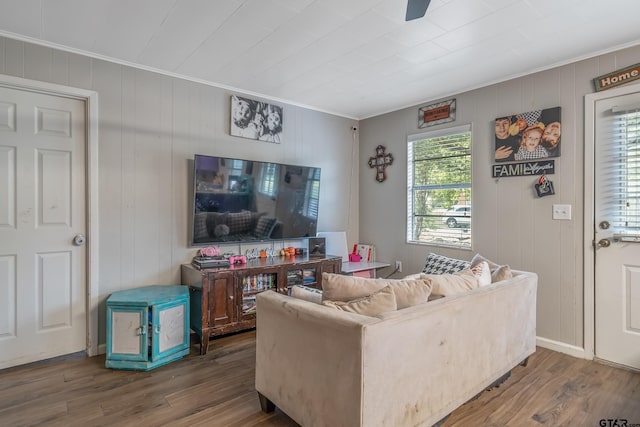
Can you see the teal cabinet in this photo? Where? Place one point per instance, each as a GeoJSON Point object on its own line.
{"type": "Point", "coordinates": [147, 327]}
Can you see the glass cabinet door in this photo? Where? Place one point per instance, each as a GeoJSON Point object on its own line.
{"type": "Point", "coordinates": [254, 283]}
{"type": "Point", "coordinates": [306, 275]}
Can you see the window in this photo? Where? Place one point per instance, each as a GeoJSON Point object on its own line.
{"type": "Point", "coordinates": [621, 179]}
{"type": "Point", "coordinates": [236, 167]}
{"type": "Point", "coordinates": [268, 179]}
{"type": "Point", "coordinates": [439, 187]}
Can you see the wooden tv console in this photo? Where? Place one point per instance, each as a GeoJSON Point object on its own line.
{"type": "Point", "coordinates": [223, 300]}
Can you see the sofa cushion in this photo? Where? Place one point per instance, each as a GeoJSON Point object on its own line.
{"type": "Point", "coordinates": [337, 287]}
{"type": "Point", "coordinates": [452, 284]}
{"type": "Point", "coordinates": [264, 226]}
{"type": "Point", "coordinates": [498, 272]}
{"type": "Point", "coordinates": [439, 264]}
{"type": "Point", "coordinates": [377, 303]}
{"type": "Point", "coordinates": [444, 285]}
{"type": "Point", "coordinates": [239, 222]}
{"type": "Point", "coordinates": [307, 293]}
{"type": "Point", "coordinates": [410, 292]}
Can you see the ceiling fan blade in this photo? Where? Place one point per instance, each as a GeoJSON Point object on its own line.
{"type": "Point", "coordinates": [416, 9]}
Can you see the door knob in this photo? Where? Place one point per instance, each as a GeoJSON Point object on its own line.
{"type": "Point", "coordinates": [604, 243]}
{"type": "Point", "coordinates": [79, 240]}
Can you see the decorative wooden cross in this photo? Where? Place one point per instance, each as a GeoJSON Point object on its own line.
{"type": "Point", "coordinates": [380, 162]}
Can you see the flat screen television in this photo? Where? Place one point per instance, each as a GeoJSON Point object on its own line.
{"type": "Point", "coordinates": [238, 200]}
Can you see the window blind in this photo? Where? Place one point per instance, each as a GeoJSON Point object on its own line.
{"type": "Point", "coordinates": [310, 208]}
{"type": "Point", "coordinates": [621, 173]}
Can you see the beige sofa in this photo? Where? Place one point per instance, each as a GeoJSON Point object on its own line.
{"type": "Point", "coordinates": [325, 367]}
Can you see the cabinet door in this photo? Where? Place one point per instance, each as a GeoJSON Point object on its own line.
{"type": "Point", "coordinates": [251, 283]}
{"type": "Point", "coordinates": [222, 301]}
{"type": "Point", "coordinates": [170, 331]}
{"type": "Point", "coordinates": [127, 333]}
{"type": "Point", "coordinates": [307, 274]}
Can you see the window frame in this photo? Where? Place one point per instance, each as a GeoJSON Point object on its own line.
{"type": "Point", "coordinates": [411, 188]}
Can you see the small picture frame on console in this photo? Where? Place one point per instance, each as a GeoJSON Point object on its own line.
{"type": "Point", "coordinates": [317, 247]}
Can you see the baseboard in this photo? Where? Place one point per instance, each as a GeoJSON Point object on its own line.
{"type": "Point", "coordinates": [561, 347]}
{"type": "Point", "coordinates": [102, 348]}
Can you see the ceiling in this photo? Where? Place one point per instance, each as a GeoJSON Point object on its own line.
{"type": "Point", "coordinates": [354, 58]}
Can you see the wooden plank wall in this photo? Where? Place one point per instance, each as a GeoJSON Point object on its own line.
{"type": "Point", "coordinates": [511, 225]}
{"type": "Point", "coordinates": [150, 127]}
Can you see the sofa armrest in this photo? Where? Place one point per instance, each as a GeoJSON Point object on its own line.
{"type": "Point", "coordinates": [309, 359]}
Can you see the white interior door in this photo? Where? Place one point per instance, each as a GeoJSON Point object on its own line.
{"type": "Point", "coordinates": [617, 229]}
{"type": "Point", "coordinates": [42, 209]}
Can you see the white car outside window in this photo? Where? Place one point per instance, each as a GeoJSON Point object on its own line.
{"type": "Point", "coordinates": [457, 216]}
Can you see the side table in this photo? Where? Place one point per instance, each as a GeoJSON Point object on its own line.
{"type": "Point", "coordinates": [362, 269]}
{"type": "Point", "coordinates": [147, 327]}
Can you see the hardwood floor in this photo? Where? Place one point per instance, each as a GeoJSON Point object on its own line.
{"type": "Point", "coordinates": [217, 390]}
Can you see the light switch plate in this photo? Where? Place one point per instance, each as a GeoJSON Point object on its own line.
{"type": "Point", "coordinates": [562, 212]}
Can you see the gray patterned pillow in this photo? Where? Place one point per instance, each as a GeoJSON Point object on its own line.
{"type": "Point", "coordinates": [439, 264]}
{"type": "Point", "coordinates": [264, 226]}
{"type": "Point", "coordinates": [239, 222]}
{"type": "Point", "coordinates": [200, 226]}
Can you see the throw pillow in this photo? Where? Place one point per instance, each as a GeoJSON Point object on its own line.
{"type": "Point", "coordinates": [255, 216]}
{"type": "Point", "coordinates": [410, 292]}
{"type": "Point", "coordinates": [337, 287]}
{"type": "Point", "coordinates": [307, 293]}
{"type": "Point", "coordinates": [239, 222]}
{"type": "Point", "coordinates": [482, 273]}
{"type": "Point", "coordinates": [498, 272]}
{"type": "Point", "coordinates": [200, 226]}
{"type": "Point", "coordinates": [377, 303]}
{"type": "Point", "coordinates": [501, 273]}
{"type": "Point", "coordinates": [264, 226]}
{"type": "Point", "coordinates": [444, 285]}
{"type": "Point", "coordinates": [439, 264]}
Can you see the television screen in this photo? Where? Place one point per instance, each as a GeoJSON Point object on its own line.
{"type": "Point", "coordinates": [237, 200]}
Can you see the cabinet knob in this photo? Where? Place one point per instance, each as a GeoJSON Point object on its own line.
{"type": "Point", "coordinates": [230, 296]}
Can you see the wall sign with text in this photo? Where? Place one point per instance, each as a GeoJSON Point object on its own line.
{"type": "Point", "coordinates": [617, 78]}
{"type": "Point", "coordinates": [435, 114]}
{"type": "Point", "coordinates": [540, 167]}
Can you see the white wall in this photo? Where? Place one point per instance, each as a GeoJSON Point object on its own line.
{"type": "Point", "coordinates": [150, 127]}
{"type": "Point", "coordinates": [511, 224]}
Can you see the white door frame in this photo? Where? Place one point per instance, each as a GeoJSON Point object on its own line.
{"type": "Point", "coordinates": [589, 209]}
{"type": "Point", "coordinates": [91, 103]}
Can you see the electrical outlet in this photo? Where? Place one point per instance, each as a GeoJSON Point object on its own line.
{"type": "Point", "coordinates": [562, 212]}
{"type": "Point", "coordinates": [399, 266]}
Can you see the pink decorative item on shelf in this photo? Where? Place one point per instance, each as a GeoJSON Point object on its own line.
{"type": "Point", "coordinates": [237, 259]}
{"type": "Point", "coordinates": [210, 251]}
{"type": "Point", "coordinates": [354, 258]}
